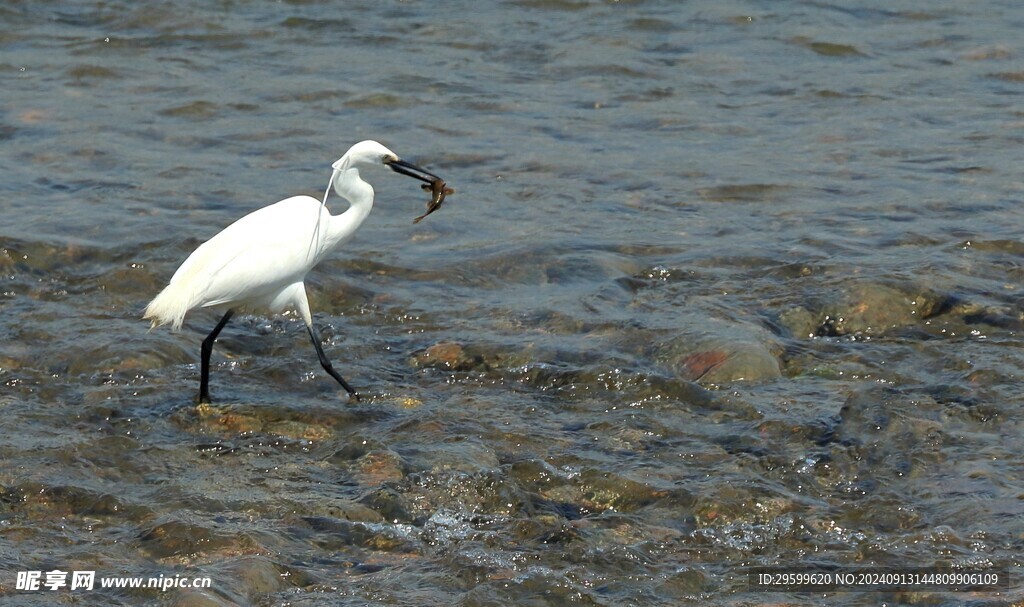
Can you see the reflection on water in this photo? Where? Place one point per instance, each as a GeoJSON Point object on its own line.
{"type": "Point", "coordinates": [721, 287]}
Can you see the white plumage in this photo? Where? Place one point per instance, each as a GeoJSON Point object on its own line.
{"type": "Point", "coordinates": [261, 260]}
{"type": "Point", "coordinates": [257, 262]}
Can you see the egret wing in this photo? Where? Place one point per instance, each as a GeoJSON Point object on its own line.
{"type": "Point", "coordinates": [252, 259]}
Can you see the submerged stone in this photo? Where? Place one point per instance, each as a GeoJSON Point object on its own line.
{"type": "Point", "coordinates": [182, 542]}
{"type": "Point", "coordinates": [872, 308]}
{"type": "Point", "coordinates": [199, 598]}
{"type": "Point", "coordinates": [723, 352]}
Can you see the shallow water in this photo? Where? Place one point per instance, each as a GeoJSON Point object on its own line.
{"type": "Point", "coordinates": [721, 286]}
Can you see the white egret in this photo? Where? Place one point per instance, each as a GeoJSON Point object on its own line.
{"type": "Point", "coordinates": [261, 260]}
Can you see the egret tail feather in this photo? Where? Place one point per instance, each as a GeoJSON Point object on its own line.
{"type": "Point", "coordinates": [167, 308]}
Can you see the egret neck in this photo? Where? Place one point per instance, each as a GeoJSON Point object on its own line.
{"type": "Point", "coordinates": [359, 195]}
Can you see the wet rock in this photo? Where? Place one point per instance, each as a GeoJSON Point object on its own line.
{"type": "Point", "coordinates": [877, 411]}
{"type": "Point", "coordinates": [989, 52]}
{"type": "Point", "coordinates": [245, 419]}
{"type": "Point", "coordinates": [384, 538]}
{"type": "Point", "coordinates": [882, 436]}
{"type": "Point", "coordinates": [799, 321]}
{"type": "Point", "coordinates": [535, 587]}
{"type": "Point", "coordinates": [39, 501]}
{"type": "Point", "coordinates": [298, 430]}
{"type": "Point", "coordinates": [778, 436]}
{"type": "Point", "coordinates": [487, 492]}
{"type": "Point", "coordinates": [195, 110]}
{"type": "Point", "coordinates": [377, 101]}
{"type": "Point", "coordinates": [723, 352]}
{"type": "Point", "coordinates": [351, 448]}
{"type": "Point", "coordinates": [36, 258]}
{"type": "Point", "coordinates": [455, 453]}
{"type": "Point", "coordinates": [1012, 247]}
{"type": "Point", "coordinates": [674, 389]}
{"type": "Point", "coordinates": [181, 542]}
{"type": "Point", "coordinates": [82, 74]}
{"type": "Point", "coordinates": [865, 414]}
{"type": "Point", "coordinates": [745, 192]}
{"type": "Point", "coordinates": [573, 494]}
{"type": "Point", "coordinates": [567, 372]}
{"type": "Point", "coordinates": [993, 316]}
{"type": "Point", "coordinates": [118, 360]}
{"type": "Point", "coordinates": [738, 362]}
{"type": "Point", "coordinates": [407, 402]}
{"type": "Point", "coordinates": [254, 576]}
{"type": "Point", "coordinates": [599, 491]}
{"type": "Point", "coordinates": [729, 504]}
{"type": "Point", "coordinates": [547, 529]}
{"type": "Point", "coordinates": [450, 356]}
{"type": "Point", "coordinates": [606, 531]}
{"type": "Point", "coordinates": [446, 354]}
{"type": "Point", "coordinates": [549, 322]}
{"type": "Point", "coordinates": [199, 598]}
{"type": "Point", "coordinates": [830, 49]}
{"type": "Point", "coordinates": [489, 359]}
{"type": "Point", "coordinates": [872, 308]}
{"type": "Point", "coordinates": [877, 510]}
{"type": "Point", "coordinates": [654, 276]}
{"type": "Point", "coordinates": [616, 436]}
{"type": "Point", "coordinates": [337, 509]}
{"type": "Point", "coordinates": [536, 474]}
{"type": "Point", "coordinates": [217, 419]}
{"type": "Point", "coordinates": [562, 377]}
{"type": "Point", "coordinates": [378, 467]}
{"type": "Point", "coordinates": [394, 506]}
{"type": "Point", "coordinates": [129, 280]}
{"type": "Point", "coordinates": [684, 584]}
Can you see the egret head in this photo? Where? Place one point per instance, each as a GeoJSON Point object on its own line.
{"type": "Point", "coordinates": [365, 153]}
{"type": "Point", "coordinates": [370, 153]}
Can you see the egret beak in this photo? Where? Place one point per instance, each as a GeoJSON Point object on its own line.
{"type": "Point", "coordinates": [405, 168]}
{"type": "Point", "coordinates": [431, 183]}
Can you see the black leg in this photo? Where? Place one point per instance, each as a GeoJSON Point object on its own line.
{"type": "Point", "coordinates": [204, 378]}
{"type": "Point", "coordinates": [326, 364]}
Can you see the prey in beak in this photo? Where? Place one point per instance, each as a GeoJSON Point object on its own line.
{"type": "Point", "coordinates": [432, 183]}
